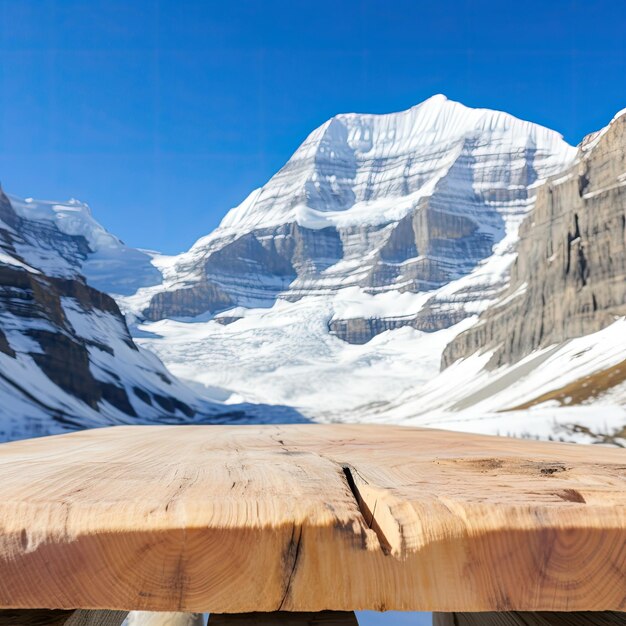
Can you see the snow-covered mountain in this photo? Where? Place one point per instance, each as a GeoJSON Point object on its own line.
{"type": "Point", "coordinates": [67, 360]}
{"type": "Point", "coordinates": [387, 247]}
{"type": "Point", "coordinates": [63, 239]}
{"type": "Point", "coordinates": [407, 202]}
{"type": "Point", "coordinates": [337, 287]}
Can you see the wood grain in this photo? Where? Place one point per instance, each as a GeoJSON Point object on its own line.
{"type": "Point", "coordinates": [310, 517]}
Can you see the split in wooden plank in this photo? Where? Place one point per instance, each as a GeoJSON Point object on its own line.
{"type": "Point", "coordinates": [582, 618]}
{"type": "Point", "coordinates": [310, 517]}
{"type": "Point", "coordinates": [44, 617]}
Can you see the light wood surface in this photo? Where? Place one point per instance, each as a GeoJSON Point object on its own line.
{"type": "Point", "coordinates": [310, 517]}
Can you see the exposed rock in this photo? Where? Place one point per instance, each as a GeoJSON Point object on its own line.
{"type": "Point", "coordinates": [569, 278]}
{"type": "Point", "coordinates": [66, 355]}
{"type": "Point", "coordinates": [360, 330]}
{"type": "Point", "coordinates": [253, 268]}
{"type": "Point", "coordinates": [188, 302]}
{"type": "Point", "coordinates": [4, 345]}
{"type": "Point", "coordinates": [225, 320]}
{"type": "Point", "coordinates": [408, 201]}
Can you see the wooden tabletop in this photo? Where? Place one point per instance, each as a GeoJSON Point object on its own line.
{"type": "Point", "coordinates": [310, 517]}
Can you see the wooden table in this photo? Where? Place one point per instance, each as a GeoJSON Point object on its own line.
{"type": "Point", "coordinates": [308, 518]}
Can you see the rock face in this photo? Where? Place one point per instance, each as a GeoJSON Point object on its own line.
{"type": "Point", "coordinates": [408, 202]}
{"type": "Point", "coordinates": [63, 239]}
{"type": "Point", "coordinates": [67, 359]}
{"type": "Point", "coordinates": [569, 277]}
{"type": "Point", "coordinates": [360, 330]}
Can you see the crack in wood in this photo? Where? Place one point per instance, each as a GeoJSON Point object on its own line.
{"type": "Point", "coordinates": [294, 547]}
{"type": "Point", "coordinates": [366, 512]}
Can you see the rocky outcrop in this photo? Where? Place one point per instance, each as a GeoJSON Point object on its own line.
{"type": "Point", "coordinates": [428, 249]}
{"type": "Point", "coordinates": [409, 202]}
{"type": "Point", "coordinates": [360, 330]}
{"type": "Point", "coordinates": [253, 268]}
{"type": "Point", "coordinates": [188, 301]}
{"type": "Point", "coordinates": [66, 356]}
{"type": "Point", "coordinates": [569, 278]}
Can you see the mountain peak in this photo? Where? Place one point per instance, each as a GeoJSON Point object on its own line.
{"type": "Point", "coordinates": [354, 159]}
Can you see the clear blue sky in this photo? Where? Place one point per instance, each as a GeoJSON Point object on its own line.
{"type": "Point", "coordinates": [164, 114]}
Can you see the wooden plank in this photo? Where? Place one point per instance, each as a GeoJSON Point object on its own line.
{"type": "Point", "coordinates": [44, 617]}
{"type": "Point", "coordinates": [285, 618]}
{"type": "Point", "coordinates": [308, 518]}
{"type": "Point", "coordinates": [582, 618]}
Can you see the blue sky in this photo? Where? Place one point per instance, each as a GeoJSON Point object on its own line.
{"type": "Point", "coordinates": [164, 114]}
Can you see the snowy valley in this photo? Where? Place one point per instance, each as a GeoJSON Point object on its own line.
{"type": "Point", "coordinates": [442, 266]}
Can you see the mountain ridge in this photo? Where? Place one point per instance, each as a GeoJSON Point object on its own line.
{"type": "Point", "coordinates": [336, 290]}
{"type": "Point", "coordinates": [344, 214]}
{"type": "Point", "coordinates": [67, 359]}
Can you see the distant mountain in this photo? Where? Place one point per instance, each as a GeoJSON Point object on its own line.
{"type": "Point", "coordinates": [67, 360]}
{"type": "Point", "coordinates": [406, 202]}
{"type": "Point", "coordinates": [338, 287]}
{"type": "Point", "coordinates": [440, 266]}
{"type": "Point", "coordinates": [63, 239]}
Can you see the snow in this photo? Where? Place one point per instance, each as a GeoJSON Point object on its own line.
{"type": "Point", "coordinates": [11, 260]}
{"type": "Point", "coordinates": [354, 302]}
{"type": "Point", "coordinates": [465, 396]}
{"type": "Point", "coordinates": [285, 355]}
{"type": "Point", "coordinates": [545, 422]}
{"type": "Point", "coordinates": [434, 133]}
{"type": "Point", "coordinates": [109, 265]}
{"type": "Point", "coordinates": [359, 174]}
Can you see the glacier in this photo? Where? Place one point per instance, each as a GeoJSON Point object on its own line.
{"type": "Point", "coordinates": [367, 202]}
{"type": "Point", "coordinates": [332, 292]}
{"type": "Point", "coordinates": [67, 360]}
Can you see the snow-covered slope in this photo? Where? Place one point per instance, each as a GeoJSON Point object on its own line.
{"type": "Point", "coordinates": [408, 201]}
{"type": "Point", "coordinates": [572, 391]}
{"type": "Point", "coordinates": [67, 360]}
{"type": "Point", "coordinates": [63, 239]}
{"type": "Point", "coordinates": [336, 287]}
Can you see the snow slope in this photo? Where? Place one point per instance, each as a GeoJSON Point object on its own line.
{"type": "Point", "coordinates": [107, 263]}
{"type": "Point", "coordinates": [361, 176]}
{"type": "Point", "coordinates": [468, 397]}
{"type": "Point", "coordinates": [67, 360]}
